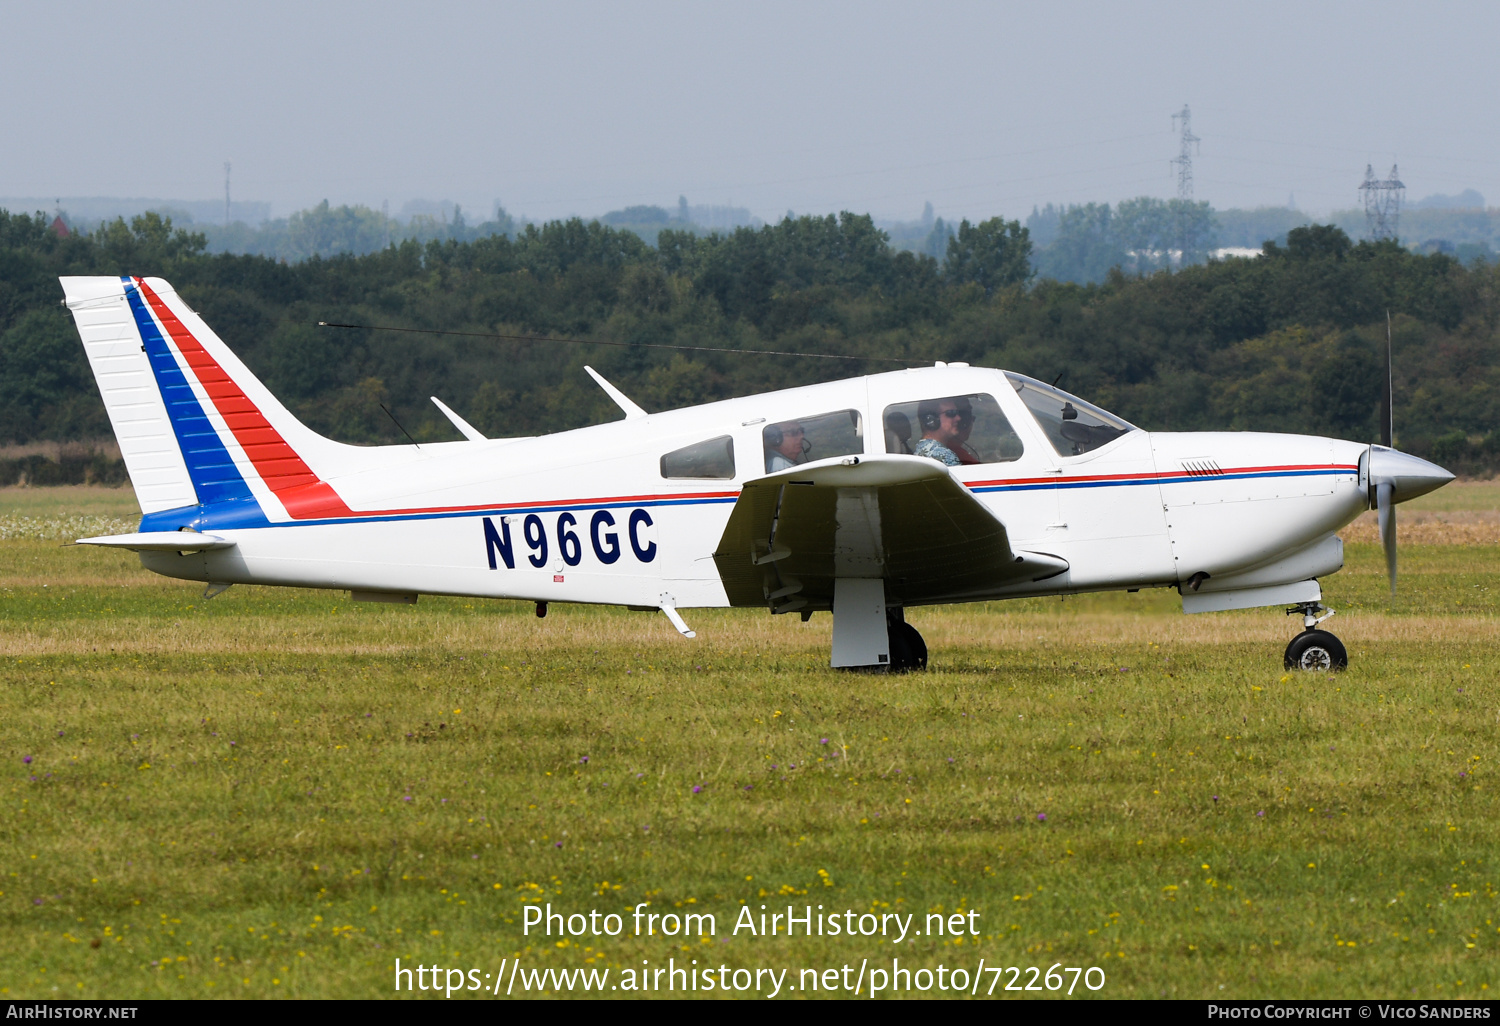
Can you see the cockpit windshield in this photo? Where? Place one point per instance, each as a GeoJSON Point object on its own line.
{"type": "Point", "coordinates": [1073, 426]}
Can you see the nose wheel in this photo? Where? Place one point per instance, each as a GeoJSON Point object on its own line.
{"type": "Point", "coordinates": [1313, 649]}
{"type": "Point", "coordinates": [1317, 651]}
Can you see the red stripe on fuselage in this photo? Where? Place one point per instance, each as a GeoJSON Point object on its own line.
{"type": "Point", "coordinates": [1163, 475]}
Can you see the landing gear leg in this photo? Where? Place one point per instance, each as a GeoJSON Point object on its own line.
{"type": "Point", "coordinates": [1315, 650]}
{"type": "Point", "coordinates": [908, 650]}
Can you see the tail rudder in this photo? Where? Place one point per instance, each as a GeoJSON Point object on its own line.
{"type": "Point", "coordinates": [195, 426]}
{"type": "Point", "coordinates": [137, 409]}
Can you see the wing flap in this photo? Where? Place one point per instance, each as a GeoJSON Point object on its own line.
{"type": "Point", "coordinates": [904, 519]}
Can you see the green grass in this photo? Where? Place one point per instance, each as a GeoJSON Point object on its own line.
{"type": "Point", "coordinates": [277, 793]}
{"type": "Point", "coordinates": [69, 500]}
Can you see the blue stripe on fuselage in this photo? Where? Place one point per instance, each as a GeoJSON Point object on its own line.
{"type": "Point", "coordinates": [229, 516]}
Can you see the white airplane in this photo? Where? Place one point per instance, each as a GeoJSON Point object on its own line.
{"type": "Point", "coordinates": [864, 497]}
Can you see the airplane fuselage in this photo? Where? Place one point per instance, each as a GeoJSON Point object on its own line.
{"type": "Point", "coordinates": [586, 515]}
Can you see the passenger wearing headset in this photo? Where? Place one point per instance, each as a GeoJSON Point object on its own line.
{"type": "Point", "coordinates": [946, 425]}
{"type": "Point", "coordinates": [786, 445]}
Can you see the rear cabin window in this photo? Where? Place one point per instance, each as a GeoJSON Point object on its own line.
{"type": "Point", "coordinates": [788, 443]}
{"type": "Point", "coordinates": [955, 430]}
{"type": "Point", "coordinates": [711, 460]}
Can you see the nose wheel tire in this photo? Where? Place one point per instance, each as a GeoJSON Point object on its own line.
{"type": "Point", "coordinates": [1317, 651]}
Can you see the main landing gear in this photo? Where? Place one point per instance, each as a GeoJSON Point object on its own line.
{"type": "Point", "coordinates": [1315, 650]}
{"type": "Point", "coordinates": [908, 650]}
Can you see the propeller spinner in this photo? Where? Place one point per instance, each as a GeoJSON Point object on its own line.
{"type": "Point", "coordinates": [1395, 477]}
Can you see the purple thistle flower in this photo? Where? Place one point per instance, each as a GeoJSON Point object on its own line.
{"type": "Point", "coordinates": [823, 742]}
{"type": "Point", "coordinates": [747, 787]}
{"type": "Point", "coordinates": [1041, 817]}
{"type": "Point", "coordinates": [1216, 797]}
{"type": "Point", "coordinates": [405, 798]}
{"type": "Point", "coordinates": [557, 845]}
{"type": "Point", "coordinates": [26, 759]}
{"type": "Point", "coordinates": [584, 759]}
{"type": "Point", "coordinates": [1260, 814]}
{"type": "Point", "coordinates": [697, 788]}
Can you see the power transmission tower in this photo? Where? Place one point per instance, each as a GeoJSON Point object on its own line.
{"type": "Point", "coordinates": [226, 194]}
{"type": "Point", "coordinates": [1382, 203]}
{"type": "Point", "coordinates": [1184, 159]}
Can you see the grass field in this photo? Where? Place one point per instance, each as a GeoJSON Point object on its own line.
{"type": "Point", "coordinates": [278, 793]}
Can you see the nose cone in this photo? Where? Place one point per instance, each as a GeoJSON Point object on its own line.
{"type": "Point", "coordinates": [1409, 476]}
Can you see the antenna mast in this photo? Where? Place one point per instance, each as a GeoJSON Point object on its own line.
{"type": "Point", "coordinates": [1184, 159]}
{"type": "Point", "coordinates": [1382, 198]}
{"type": "Point", "coordinates": [226, 194]}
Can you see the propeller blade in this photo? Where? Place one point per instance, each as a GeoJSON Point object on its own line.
{"type": "Point", "coordinates": [1385, 507]}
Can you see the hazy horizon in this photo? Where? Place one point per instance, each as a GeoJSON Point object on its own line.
{"type": "Point", "coordinates": [875, 107]}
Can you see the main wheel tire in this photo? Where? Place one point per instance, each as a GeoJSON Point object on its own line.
{"type": "Point", "coordinates": [1317, 651]}
{"type": "Point", "coordinates": [908, 650]}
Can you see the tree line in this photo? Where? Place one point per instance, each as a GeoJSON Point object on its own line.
{"type": "Point", "coordinates": [1290, 341]}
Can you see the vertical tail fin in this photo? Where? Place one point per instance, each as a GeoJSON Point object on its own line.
{"type": "Point", "coordinates": [137, 410]}
{"type": "Point", "coordinates": [195, 426]}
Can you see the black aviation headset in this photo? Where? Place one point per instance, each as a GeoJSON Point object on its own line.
{"type": "Point", "coordinates": [774, 438]}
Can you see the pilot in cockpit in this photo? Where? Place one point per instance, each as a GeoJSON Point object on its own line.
{"type": "Point", "coordinates": [786, 445]}
{"type": "Point", "coordinates": [946, 425]}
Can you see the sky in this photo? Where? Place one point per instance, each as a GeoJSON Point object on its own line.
{"type": "Point", "coordinates": [567, 108]}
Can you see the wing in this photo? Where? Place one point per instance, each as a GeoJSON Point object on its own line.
{"type": "Point", "coordinates": [905, 519]}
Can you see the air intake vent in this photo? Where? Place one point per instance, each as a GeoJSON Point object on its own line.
{"type": "Point", "coordinates": [1201, 468]}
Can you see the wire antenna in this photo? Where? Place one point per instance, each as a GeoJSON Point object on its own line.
{"type": "Point", "coordinates": [396, 422]}
{"type": "Point", "coordinates": [623, 345]}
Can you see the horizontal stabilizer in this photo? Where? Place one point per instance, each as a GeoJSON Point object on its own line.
{"type": "Point", "coordinates": [161, 541]}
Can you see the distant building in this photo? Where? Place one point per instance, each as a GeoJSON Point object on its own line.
{"type": "Point", "coordinates": [60, 228]}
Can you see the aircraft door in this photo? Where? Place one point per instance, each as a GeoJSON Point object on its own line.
{"type": "Point", "coordinates": [1110, 525]}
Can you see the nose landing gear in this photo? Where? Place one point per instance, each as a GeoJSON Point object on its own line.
{"type": "Point", "coordinates": [1315, 650]}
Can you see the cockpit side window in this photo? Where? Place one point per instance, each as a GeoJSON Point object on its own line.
{"type": "Point", "coordinates": [712, 459]}
{"type": "Point", "coordinates": [957, 430]}
{"type": "Point", "coordinates": [1072, 426]}
{"type": "Point", "coordinates": [788, 443]}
